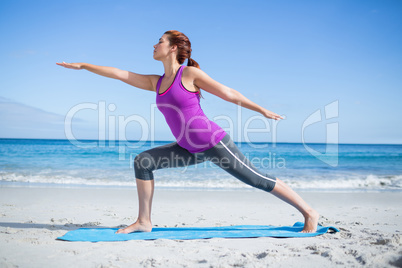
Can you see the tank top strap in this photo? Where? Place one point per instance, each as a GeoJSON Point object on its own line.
{"type": "Point", "coordinates": [180, 72]}
{"type": "Point", "coordinates": [177, 79]}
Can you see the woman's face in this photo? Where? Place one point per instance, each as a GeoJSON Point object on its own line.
{"type": "Point", "coordinates": [162, 48]}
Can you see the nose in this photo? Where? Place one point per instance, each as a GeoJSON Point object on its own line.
{"type": "Point", "coordinates": [154, 46]}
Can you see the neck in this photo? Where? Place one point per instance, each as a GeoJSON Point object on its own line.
{"type": "Point", "coordinates": [171, 66]}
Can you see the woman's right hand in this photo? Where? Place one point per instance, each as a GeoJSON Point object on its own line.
{"type": "Point", "coordinates": [147, 82]}
{"type": "Point", "coordinates": [75, 66]}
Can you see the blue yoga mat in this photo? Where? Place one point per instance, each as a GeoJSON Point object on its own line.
{"type": "Point", "coordinates": [184, 233]}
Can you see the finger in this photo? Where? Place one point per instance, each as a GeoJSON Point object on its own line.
{"type": "Point", "coordinates": [275, 116]}
{"type": "Point", "coordinates": [61, 64]}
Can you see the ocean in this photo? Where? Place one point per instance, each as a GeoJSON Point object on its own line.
{"type": "Point", "coordinates": [311, 167]}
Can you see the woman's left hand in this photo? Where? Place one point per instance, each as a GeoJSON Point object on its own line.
{"type": "Point", "coordinates": [75, 66]}
{"type": "Point", "coordinates": [271, 115]}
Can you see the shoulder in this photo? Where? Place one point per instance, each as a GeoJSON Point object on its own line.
{"type": "Point", "coordinates": [154, 80]}
{"type": "Point", "coordinates": [193, 72]}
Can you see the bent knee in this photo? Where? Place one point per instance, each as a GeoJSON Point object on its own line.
{"type": "Point", "coordinates": [144, 160]}
{"type": "Point", "coordinates": [144, 164]}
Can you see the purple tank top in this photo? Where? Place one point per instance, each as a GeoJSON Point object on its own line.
{"type": "Point", "coordinates": [187, 121]}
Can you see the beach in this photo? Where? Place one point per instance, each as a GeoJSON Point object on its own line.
{"type": "Point", "coordinates": [32, 217]}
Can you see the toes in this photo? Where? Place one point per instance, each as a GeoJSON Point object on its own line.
{"type": "Point", "coordinates": [121, 231]}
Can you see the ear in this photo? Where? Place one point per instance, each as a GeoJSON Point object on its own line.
{"type": "Point", "coordinates": [173, 48]}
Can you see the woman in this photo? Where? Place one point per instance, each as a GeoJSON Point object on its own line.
{"type": "Point", "coordinates": [197, 138]}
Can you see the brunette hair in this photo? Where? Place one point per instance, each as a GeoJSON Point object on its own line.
{"type": "Point", "coordinates": [183, 44]}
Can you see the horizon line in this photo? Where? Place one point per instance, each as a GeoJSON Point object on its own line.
{"type": "Point", "coordinates": [92, 140]}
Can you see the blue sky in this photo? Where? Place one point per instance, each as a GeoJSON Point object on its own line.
{"type": "Point", "coordinates": [292, 57]}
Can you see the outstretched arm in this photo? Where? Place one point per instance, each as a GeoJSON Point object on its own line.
{"type": "Point", "coordinates": [147, 82]}
{"type": "Point", "coordinates": [202, 80]}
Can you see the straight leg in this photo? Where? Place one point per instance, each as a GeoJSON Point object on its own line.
{"type": "Point", "coordinates": [228, 156]}
{"type": "Point", "coordinates": [285, 193]}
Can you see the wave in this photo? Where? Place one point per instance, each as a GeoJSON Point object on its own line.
{"type": "Point", "coordinates": [367, 182]}
{"type": "Point", "coordinates": [211, 180]}
{"type": "Point", "coordinates": [61, 180]}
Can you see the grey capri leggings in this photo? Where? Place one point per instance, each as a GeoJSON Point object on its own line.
{"type": "Point", "coordinates": [225, 154]}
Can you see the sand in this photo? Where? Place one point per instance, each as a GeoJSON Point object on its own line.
{"type": "Point", "coordinates": [31, 218]}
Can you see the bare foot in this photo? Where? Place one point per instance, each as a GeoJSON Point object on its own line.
{"type": "Point", "coordinates": [136, 227]}
{"type": "Point", "coordinates": [311, 222]}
